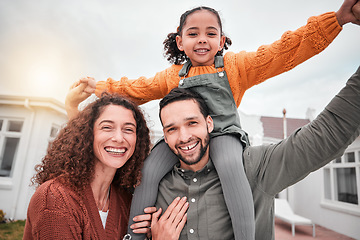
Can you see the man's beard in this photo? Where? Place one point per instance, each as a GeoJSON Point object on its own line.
{"type": "Point", "coordinates": [203, 149]}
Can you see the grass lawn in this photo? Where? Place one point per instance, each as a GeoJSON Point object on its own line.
{"type": "Point", "coordinates": [12, 231]}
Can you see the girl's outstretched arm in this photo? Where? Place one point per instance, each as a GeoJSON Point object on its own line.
{"type": "Point", "coordinates": [142, 89]}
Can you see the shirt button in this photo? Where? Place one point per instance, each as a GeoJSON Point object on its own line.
{"type": "Point", "coordinates": [193, 200]}
{"type": "Point", "coordinates": [191, 230]}
{"type": "Point", "coordinates": [195, 179]}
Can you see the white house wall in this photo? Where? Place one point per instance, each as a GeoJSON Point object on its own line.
{"type": "Point", "coordinates": [307, 203]}
{"type": "Point", "coordinates": [151, 113]}
{"type": "Point", "coordinates": [10, 186]}
{"type": "Point", "coordinates": [38, 144]}
{"type": "Point", "coordinates": [15, 192]}
{"type": "Point", "coordinates": [254, 128]}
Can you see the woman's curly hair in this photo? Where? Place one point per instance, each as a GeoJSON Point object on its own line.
{"type": "Point", "coordinates": [172, 52]}
{"type": "Point", "coordinates": [71, 156]}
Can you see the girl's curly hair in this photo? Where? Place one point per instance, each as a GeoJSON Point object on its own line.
{"type": "Point", "coordinates": [71, 156]}
{"type": "Point", "coordinates": [172, 52]}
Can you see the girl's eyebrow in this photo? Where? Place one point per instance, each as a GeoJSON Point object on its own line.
{"type": "Point", "coordinates": [208, 28]}
{"type": "Point", "coordinates": [212, 28]}
{"type": "Point", "coordinates": [192, 28]}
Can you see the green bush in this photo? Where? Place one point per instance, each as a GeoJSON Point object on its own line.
{"type": "Point", "coordinates": [2, 216]}
{"type": "Point", "coordinates": [12, 230]}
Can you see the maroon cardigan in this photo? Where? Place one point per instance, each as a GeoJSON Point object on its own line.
{"type": "Point", "coordinates": [57, 212]}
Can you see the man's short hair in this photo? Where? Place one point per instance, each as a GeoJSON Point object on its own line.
{"type": "Point", "coordinates": [181, 94]}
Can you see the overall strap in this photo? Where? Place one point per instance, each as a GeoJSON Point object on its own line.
{"type": "Point", "coordinates": [219, 61]}
{"type": "Point", "coordinates": [185, 69]}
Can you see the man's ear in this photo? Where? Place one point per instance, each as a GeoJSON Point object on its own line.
{"type": "Point", "coordinates": [210, 123]}
{"type": "Point", "coordinates": [179, 43]}
{"type": "Point", "coordinates": [165, 139]}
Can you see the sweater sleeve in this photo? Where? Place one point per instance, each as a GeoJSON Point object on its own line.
{"type": "Point", "coordinates": [143, 89]}
{"type": "Point", "coordinates": [278, 166]}
{"type": "Point", "coordinates": [293, 48]}
{"type": "Point", "coordinates": [50, 216]}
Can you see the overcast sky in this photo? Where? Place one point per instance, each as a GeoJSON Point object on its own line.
{"type": "Point", "coordinates": [47, 45]}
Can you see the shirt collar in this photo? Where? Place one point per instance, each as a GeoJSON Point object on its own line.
{"type": "Point", "coordinates": [186, 174]}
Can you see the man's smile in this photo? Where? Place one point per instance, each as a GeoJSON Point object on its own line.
{"type": "Point", "coordinates": [189, 146]}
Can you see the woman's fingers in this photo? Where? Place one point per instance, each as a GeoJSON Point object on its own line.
{"type": "Point", "coordinates": [155, 217]}
{"type": "Point", "coordinates": [181, 225]}
{"type": "Point", "coordinates": [168, 211]}
{"type": "Point", "coordinates": [178, 211]}
{"type": "Point", "coordinates": [180, 214]}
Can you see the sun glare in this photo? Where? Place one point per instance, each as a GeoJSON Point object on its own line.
{"type": "Point", "coordinates": [43, 76]}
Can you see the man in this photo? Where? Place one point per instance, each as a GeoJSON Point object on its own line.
{"type": "Point", "coordinates": [269, 169]}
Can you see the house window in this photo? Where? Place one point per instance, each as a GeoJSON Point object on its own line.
{"type": "Point", "coordinates": [53, 132]}
{"type": "Point", "coordinates": [10, 134]}
{"type": "Point", "coordinates": [342, 178]}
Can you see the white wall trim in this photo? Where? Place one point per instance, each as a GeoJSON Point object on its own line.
{"type": "Point", "coordinates": [341, 207]}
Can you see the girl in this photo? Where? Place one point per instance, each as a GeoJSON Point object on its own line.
{"type": "Point", "coordinates": [196, 50]}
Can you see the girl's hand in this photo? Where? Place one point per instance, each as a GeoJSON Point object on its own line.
{"type": "Point", "coordinates": [349, 12]}
{"type": "Point", "coordinates": [171, 223]}
{"type": "Point", "coordinates": [78, 92]}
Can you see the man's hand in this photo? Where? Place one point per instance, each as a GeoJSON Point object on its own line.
{"type": "Point", "coordinates": [171, 223]}
{"type": "Point", "coordinates": [356, 10]}
{"type": "Point", "coordinates": [78, 92]}
{"type": "Point", "coordinates": [349, 12]}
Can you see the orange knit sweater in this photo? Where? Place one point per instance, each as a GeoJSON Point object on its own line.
{"type": "Point", "coordinates": [244, 69]}
{"type": "Point", "coordinates": [57, 212]}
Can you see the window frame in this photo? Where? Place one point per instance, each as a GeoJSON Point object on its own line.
{"type": "Point", "coordinates": [5, 133]}
{"type": "Point", "coordinates": [349, 208]}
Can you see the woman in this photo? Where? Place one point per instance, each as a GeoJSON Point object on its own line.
{"type": "Point", "coordinates": [86, 179]}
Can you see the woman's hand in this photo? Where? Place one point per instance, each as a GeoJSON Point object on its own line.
{"type": "Point", "coordinates": [78, 92]}
{"type": "Point", "coordinates": [349, 12]}
{"type": "Point", "coordinates": [171, 223]}
{"type": "Point", "coordinates": [143, 222]}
